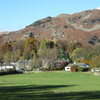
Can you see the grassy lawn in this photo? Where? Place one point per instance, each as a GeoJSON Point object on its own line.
{"type": "Point", "coordinates": [50, 86]}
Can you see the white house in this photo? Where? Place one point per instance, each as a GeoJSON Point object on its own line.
{"type": "Point", "coordinates": [83, 65]}
{"type": "Point", "coordinates": [6, 66]}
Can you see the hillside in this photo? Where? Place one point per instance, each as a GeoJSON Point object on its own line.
{"type": "Point", "coordinates": [83, 27]}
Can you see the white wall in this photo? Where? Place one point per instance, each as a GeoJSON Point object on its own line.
{"type": "Point", "coordinates": [68, 69]}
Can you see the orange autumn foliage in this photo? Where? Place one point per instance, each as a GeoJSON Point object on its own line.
{"type": "Point", "coordinates": [85, 61]}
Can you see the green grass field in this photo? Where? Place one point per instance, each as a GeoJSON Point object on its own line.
{"type": "Point", "coordinates": [50, 86]}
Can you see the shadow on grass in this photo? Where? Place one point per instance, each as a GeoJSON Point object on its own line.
{"type": "Point", "coordinates": [44, 93]}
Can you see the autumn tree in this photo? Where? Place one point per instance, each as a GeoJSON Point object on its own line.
{"type": "Point", "coordinates": [46, 50]}
{"type": "Point", "coordinates": [1, 58]}
{"type": "Point", "coordinates": [72, 46]}
{"type": "Point", "coordinates": [62, 54]}
{"type": "Point", "coordinates": [95, 62]}
{"type": "Point", "coordinates": [8, 57]}
{"type": "Point", "coordinates": [30, 47]}
{"type": "Point", "coordinates": [75, 55]}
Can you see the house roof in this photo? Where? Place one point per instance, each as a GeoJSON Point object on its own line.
{"type": "Point", "coordinates": [6, 64]}
{"type": "Point", "coordinates": [79, 64]}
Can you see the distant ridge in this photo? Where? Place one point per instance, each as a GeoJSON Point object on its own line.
{"type": "Point", "coordinates": [81, 27]}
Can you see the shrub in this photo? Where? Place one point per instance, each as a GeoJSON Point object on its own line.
{"type": "Point", "coordinates": [35, 63]}
{"type": "Point", "coordinates": [74, 68]}
{"type": "Point", "coordinates": [80, 69]}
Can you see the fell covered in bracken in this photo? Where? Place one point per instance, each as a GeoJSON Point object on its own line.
{"type": "Point", "coordinates": [82, 27]}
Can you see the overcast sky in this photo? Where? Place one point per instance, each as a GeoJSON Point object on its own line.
{"type": "Point", "coordinates": [16, 14]}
